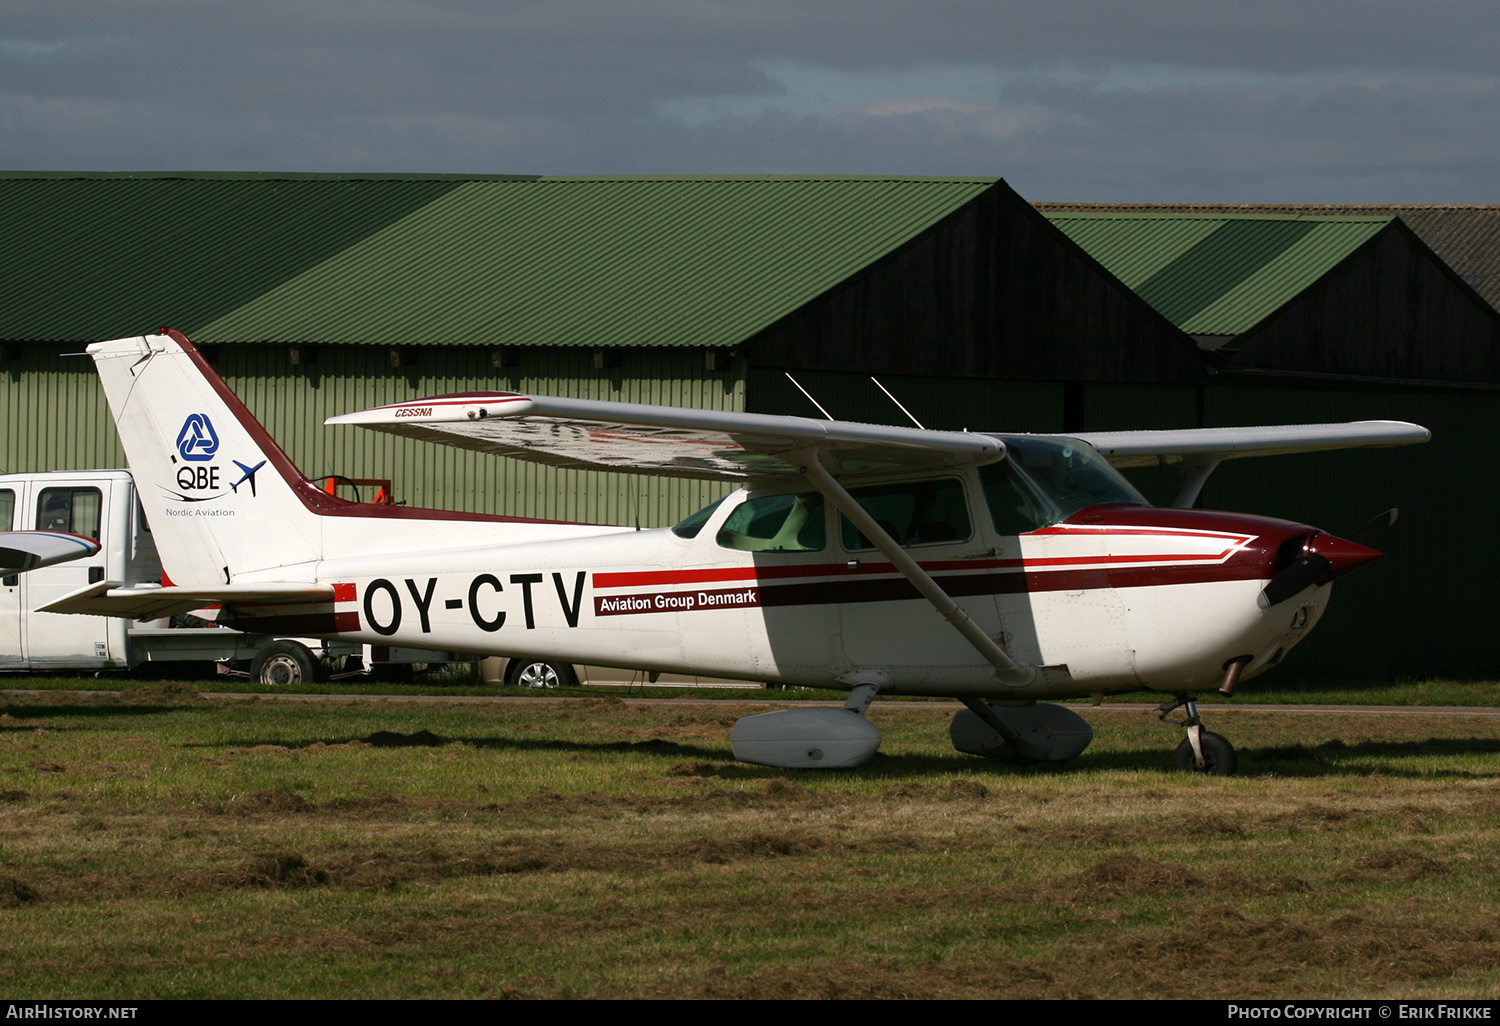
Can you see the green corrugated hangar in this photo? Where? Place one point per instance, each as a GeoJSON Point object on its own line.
{"type": "Point", "coordinates": [323, 294]}
{"type": "Point", "coordinates": [1321, 314]}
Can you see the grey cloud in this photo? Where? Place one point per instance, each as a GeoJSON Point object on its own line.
{"type": "Point", "coordinates": [1144, 100]}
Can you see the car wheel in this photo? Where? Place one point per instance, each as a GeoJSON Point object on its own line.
{"type": "Point", "coordinates": [539, 673]}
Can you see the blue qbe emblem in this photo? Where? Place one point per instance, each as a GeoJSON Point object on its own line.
{"type": "Point", "coordinates": [197, 441]}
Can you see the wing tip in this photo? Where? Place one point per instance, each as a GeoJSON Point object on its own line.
{"type": "Point", "coordinates": [440, 409]}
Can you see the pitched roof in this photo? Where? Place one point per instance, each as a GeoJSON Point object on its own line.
{"type": "Point", "coordinates": [96, 256]}
{"type": "Point", "coordinates": [1467, 238]}
{"type": "Point", "coordinates": [1214, 274]}
{"type": "Point", "coordinates": [413, 259]}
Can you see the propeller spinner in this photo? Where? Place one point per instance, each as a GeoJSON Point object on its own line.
{"type": "Point", "coordinates": [1325, 557]}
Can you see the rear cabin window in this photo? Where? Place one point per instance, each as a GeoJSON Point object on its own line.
{"type": "Point", "coordinates": [74, 510]}
{"type": "Point", "coordinates": [913, 513]}
{"type": "Point", "coordinates": [7, 509]}
{"type": "Point", "coordinates": [776, 523]}
{"type": "Point", "coordinates": [690, 527]}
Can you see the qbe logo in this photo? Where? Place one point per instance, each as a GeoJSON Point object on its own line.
{"type": "Point", "coordinates": [197, 441]}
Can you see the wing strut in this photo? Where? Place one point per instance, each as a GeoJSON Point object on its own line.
{"type": "Point", "coordinates": [1007, 670]}
{"type": "Point", "coordinates": [1195, 476]}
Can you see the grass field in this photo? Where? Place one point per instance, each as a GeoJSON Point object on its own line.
{"type": "Point", "coordinates": [158, 844]}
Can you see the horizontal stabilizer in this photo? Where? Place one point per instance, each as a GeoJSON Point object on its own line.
{"type": "Point", "coordinates": [150, 601]}
{"type": "Point", "coordinates": [27, 550]}
{"type": "Point", "coordinates": [1206, 445]}
{"type": "Point", "coordinates": [586, 434]}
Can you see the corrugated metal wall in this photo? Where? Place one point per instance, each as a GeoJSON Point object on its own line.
{"type": "Point", "coordinates": [992, 291]}
{"type": "Point", "coordinates": [942, 404]}
{"type": "Point", "coordinates": [53, 416]}
{"type": "Point", "coordinates": [1424, 609]}
{"type": "Point", "coordinates": [52, 413]}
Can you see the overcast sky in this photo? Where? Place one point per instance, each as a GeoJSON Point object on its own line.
{"type": "Point", "coordinates": [1291, 101]}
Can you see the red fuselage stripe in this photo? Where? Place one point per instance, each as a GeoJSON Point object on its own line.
{"type": "Point", "coordinates": [648, 578]}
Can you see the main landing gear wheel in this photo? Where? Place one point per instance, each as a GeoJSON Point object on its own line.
{"type": "Point", "coordinates": [1218, 756]}
{"type": "Point", "coordinates": [284, 664]}
{"type": "Point", "coordinates": [538, 673]}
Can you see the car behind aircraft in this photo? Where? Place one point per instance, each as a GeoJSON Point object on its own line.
{"type": "Point", "coordinates": [1001, 570]}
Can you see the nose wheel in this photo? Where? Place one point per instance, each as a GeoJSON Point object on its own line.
{"type": "Point", "coordinates": [1202, 751]}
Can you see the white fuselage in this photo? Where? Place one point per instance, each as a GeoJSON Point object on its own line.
{"type": "Point", "coordinates": [1113, 599]}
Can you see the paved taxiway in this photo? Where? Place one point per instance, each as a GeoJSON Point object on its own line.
{"type": "Point", "coordinates": [888, 706]}
{"type": "Point", "coordinates": [884, 707]}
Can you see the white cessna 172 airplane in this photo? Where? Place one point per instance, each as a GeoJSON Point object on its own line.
{"type": "Point", "coordinates": [1001, 570]}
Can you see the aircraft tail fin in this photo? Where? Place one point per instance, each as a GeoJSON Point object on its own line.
{"type": "Point", "coordinates": [221, 496]}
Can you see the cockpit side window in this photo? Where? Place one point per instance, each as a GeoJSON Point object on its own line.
{"type": "Point", "coordinates": [776, 523]}
{"type": "Point", "coordinates": [913, 513]}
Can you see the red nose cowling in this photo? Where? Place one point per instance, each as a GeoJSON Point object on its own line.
{"type": "Point", "coordinates": [1342, 555]}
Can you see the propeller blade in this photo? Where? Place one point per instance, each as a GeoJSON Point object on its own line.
{"type": "Point", "coordinates": [1376, 526]}
{"type": "Point", "coordinates": [1311, 569]}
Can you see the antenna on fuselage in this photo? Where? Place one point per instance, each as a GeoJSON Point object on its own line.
{"type": "Point", "coordinates": [893, 399]}
{"type": "Point", "coordinates": [807, 393]}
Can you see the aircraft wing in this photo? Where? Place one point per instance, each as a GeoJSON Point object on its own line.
{"type": "Point", "coordinates": [149, 601]}
{"type": "Point", "coordinates": [667, 440]}
{"type": "Point", "coordinates": [1209, 445]}
{"type": "Point", "coordinates": [28, 550]}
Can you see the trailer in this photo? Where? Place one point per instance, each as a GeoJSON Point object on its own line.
{"type": "Point", "coordinates": [103, 505]}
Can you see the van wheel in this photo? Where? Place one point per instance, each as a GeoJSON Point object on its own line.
{"type": "Point", "coordinates": [538, 673]}
{"type": "Point", "coordinates": [284, 664]}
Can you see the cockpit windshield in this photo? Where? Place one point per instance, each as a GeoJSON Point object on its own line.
{"type": "Point", "coordinates": [1042, 481]}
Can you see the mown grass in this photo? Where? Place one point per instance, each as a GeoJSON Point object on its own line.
{"type": "Point", "coordinates": [162, 845]}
